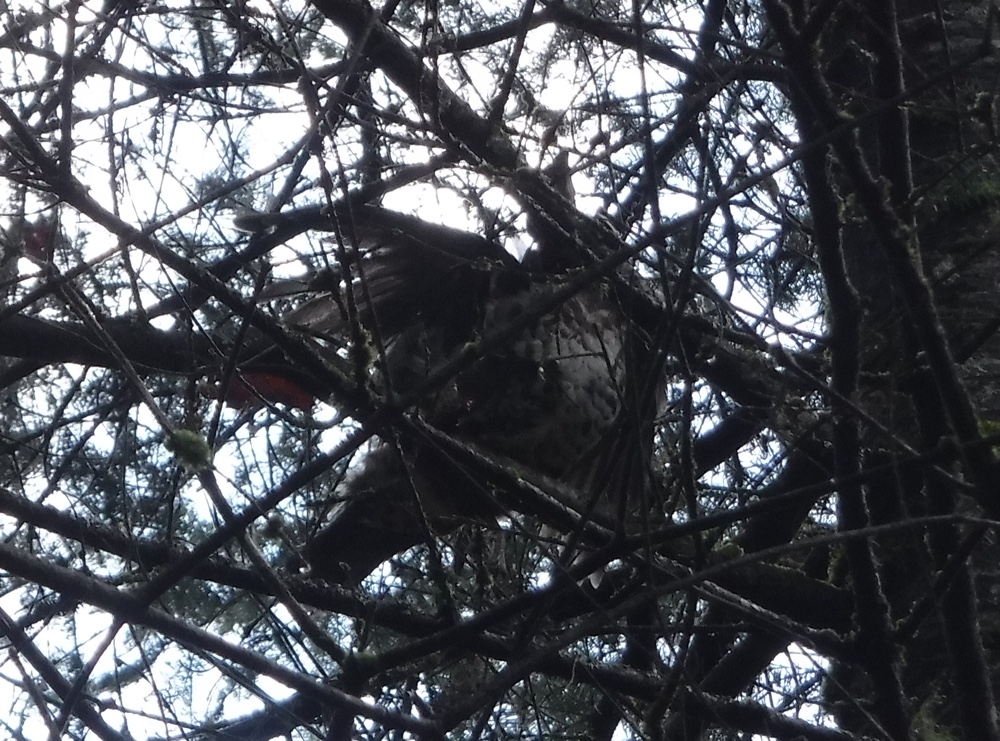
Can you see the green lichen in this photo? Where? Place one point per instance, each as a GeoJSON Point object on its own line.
{"type": "Point", "coordinates": [191, 449]}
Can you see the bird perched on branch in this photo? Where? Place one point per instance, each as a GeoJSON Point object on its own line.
{"type": "Point", "coordinates": [536, 381]}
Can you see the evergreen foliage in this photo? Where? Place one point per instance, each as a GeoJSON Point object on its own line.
{"type": "Point", "coordinates": [777, 221]}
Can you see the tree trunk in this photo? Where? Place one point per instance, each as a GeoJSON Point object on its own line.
{"type": "Point", "coordinates": [933, 154]}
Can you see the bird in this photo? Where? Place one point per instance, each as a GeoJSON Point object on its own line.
{"type": "Point", "coordinates": [540, 398]}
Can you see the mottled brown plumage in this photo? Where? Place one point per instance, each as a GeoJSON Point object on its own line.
{"type": "Point", "coordinates": [541, 399]}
